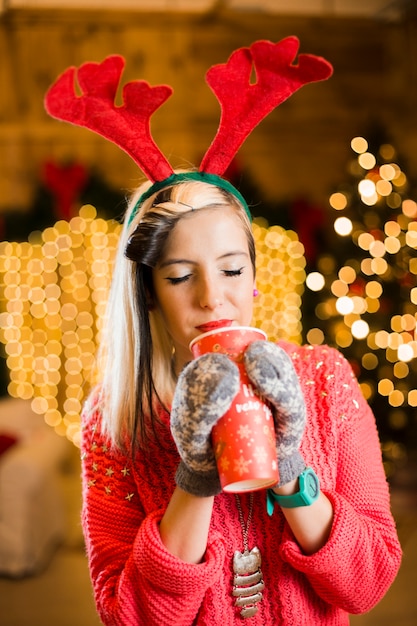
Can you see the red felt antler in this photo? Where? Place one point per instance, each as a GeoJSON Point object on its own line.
{"type": "Point", "coordinates": [128, 126]}
{"type": "Point", "coordinates": [244, 104]}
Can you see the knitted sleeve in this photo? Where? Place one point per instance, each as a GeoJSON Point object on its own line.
{"type": "Point", "coordinates": [136, 581]}
{"type": "Point", "coordinates": [360, 560]}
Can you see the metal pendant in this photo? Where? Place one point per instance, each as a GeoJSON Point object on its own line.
{"type": "Point", "coordinates": [247, 581]}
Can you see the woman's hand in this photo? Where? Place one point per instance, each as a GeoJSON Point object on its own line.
{"type": "Point", "coordinates": [204, 393]}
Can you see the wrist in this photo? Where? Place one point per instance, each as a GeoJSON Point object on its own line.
{"type": "Point", "coordinates": [201, 484]}
{"type": "Point", "coordinates": [288, 489]}
{"type": "Point", "coordinates": [308, 492]}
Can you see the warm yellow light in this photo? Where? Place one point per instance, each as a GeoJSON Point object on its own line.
{"type": "Point", "coordinates": [370, 361]}
{"type": "Point", "coordinates": [401, 369]}
{"type": "Point", "coordinates": [385, 387]}
{"type": "Point", "coordinates": [50, 314]}
{"type": "Point", "coordinates": [360, 329]}
{"type": "Point", "coordinates": [367, 390]}
{"type": "Point", "coordinates": [400, 179]}
{"type": "Point", "coordinates": [373, 289]}
{"type": "Point", "coordinates": [280, 280]}
{"type": "Point", "coordinates": [339, 288]}
{"type": "Point", "coordinates": [379, 266]}
{"type": "Point", "coordinates": [408, 322]}
{"type": "Point", "coordinates": [383, 187]}
{"type": "Point", "coordinates": [367, 160]}
{"type": "Point", "coordinates": [338, 201]}
{"type": "Point", "coordinates": [387, 172]}
{"type": "Point", "coordinates": [377, 249]}
{"type": "Point", "coordinates": [315, 281]}
{"type": "Point", "coordinates": [343, 226]}
{"type": "Point", "coordinates": [392, 245]}
{"type": "Point", "coordinates": [392, 229]}
{"type": "Point", "coordinates": [411, 238]}
{"type": "Point", "coordinates": [359, 305]}
{"type": "Point", "coordinates": [315, 336]}
{"type": "Point", "coordinates": [367, 188]}
{"type": "Point", "coordinates": [359, 144]}
{"type": "Point", "coordinates": [365, 240]}
{"type": "Point", "coordinates": [412, 397]}
{"type": "Point", "coordinates": [405, 352]}
{"type": "Point", "coordinates": [396, 398]}
{"type": "Point", "coordinates": [394, 200]}
{"type": "Point", "coordinates": [409, 208]}
{"type": "Point", "coordinates": [395, 340]}
{"type": "Point", "coordinates": [347, 274]}
{"type": "Point", "coordinates": [343, 338]}
{"type": "Point", "coordinates": [344, 305]}
{"type": "Point", "coordinates": [396, 323]}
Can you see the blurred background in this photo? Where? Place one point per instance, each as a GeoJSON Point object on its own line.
{"type": "Point", "coordinates": [331, 178]}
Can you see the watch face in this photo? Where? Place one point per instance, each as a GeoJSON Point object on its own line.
{"type": "Point", "coordinates": [312, 485]}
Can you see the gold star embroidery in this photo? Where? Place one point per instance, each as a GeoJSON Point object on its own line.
{"type": "Point", "coordinates": [309, 382]}
{"type": "Point", "coordinates": [94, 446]}
{"type": "Point", "coordinates": [109, 471]}
{"type": "Point", "coordinates": [324, 394]}
{"type": "Point", "coordinates": [329, 376]}
{"type": "Point", "coordinates": [129, 496]}
{"type": "Point", "coordinates": [126, 472]}
{"type": "Point", "coordinates": [104, 448]}
{"type": "Point", "coordinates": [91, 483]}
{"type": "Point", "coordinates": [95, 467]}
{"type": "Point", "coordinates": [107, 490]}
{"type": "Point", "coordinates": [319, 364]}
{"type": "Point", "coordinates": [343, 417]}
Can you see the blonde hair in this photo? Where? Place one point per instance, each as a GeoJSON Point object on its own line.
{"type": "Point", "coordinates": [136, 352]}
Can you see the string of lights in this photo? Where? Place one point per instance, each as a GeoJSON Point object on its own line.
{"type": "Point", "coordinates": [365, 281]}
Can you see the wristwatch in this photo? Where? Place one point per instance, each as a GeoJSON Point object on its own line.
{"type": "Point", "coordinates": [309, 490]}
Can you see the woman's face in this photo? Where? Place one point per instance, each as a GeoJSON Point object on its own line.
{"type": "Point", "coordinates": [204, 278]}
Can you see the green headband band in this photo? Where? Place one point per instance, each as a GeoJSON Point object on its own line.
{"type": "Point", "coordinates": [175, 179]}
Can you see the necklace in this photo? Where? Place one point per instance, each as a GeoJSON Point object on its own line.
{"type": "Point", "coordinates": [247, 581]}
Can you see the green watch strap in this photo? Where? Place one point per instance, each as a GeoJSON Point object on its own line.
{"type": "Point", "coordinates": [309, 491]}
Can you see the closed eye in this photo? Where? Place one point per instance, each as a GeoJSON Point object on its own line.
{"type": "Point", "coordinates": [178, 280]}
{"type": "Point", "coordinates": [233, 272]}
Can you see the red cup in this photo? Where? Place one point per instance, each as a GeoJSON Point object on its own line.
{"type": "Point", "coordinates": [244, 438]}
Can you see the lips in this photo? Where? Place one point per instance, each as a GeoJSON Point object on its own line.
{"type": "Point", "coordinates": [205, 328]}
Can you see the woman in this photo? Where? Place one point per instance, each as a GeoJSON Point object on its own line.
{"type": "Point", "coordinates": [160, 534]}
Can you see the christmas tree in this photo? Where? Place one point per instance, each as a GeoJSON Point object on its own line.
{"type": "Point", "coordinates": [361, 291]}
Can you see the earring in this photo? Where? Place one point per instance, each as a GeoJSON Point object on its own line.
{"type": "Point", "coordinates": [255, 293]}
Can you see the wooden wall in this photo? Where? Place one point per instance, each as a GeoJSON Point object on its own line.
{"type": "Point", "coordinates": [301, 149]}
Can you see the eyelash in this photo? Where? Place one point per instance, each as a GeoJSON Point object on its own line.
{"type": "Point", "coordinates": [183, 279]}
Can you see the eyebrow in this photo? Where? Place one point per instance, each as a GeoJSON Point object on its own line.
{"type": "Point", "coordinates": [174, 261]}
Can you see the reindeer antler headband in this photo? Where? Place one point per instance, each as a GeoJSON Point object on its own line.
{"type": "Point", "coordinates": [243, 106]}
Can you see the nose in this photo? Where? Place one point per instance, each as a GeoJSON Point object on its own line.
{"type": "Point", "coordinates": [210, 296]}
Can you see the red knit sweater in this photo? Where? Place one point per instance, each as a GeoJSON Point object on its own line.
{"type": "Point", "coordinates": [138, 582]}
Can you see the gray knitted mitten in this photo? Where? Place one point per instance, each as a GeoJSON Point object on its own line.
{"type": "Point", "coordinates": [271, 371]}
{"type": "Point", "coordinates": [204, 393]}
